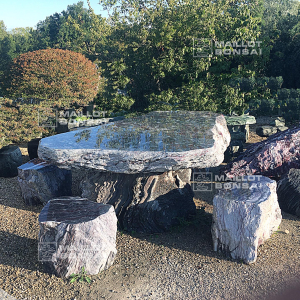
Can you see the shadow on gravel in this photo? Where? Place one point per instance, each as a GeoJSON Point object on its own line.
{"type": "Point", "coordinates": [19, 252]}
{"type": "Point", "coordinates": [10, 195]}
{"type": "Point", "coordinates": [192, 236]}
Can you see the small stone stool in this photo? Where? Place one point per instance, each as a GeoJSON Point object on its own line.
{"type": "Point", "coordinates": [239, 126]}
{"type": "Point", "coordinates": [40, 182]}
{"type": "Point", "coordinates": [10, 160]}
{"type": "Point", "coordinates": [32, 148]}
{"type": "Point", "coordinates": [76, 233]}
{"type": "Point", "coordinates": [245, 214]}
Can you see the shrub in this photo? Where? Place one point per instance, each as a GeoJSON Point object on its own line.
{"type": "Point", "coordinates": [291, 109]}
{"type": "Point", "coordinates": [275, 83]}
{"type": "Point", "coordinates": [294, 93]}
{"type": "Point", "coordinates": [262, 82]}
{"type": "Point", "coordinates": [62, 77]}
{"type": "Point", "coordinates": [267, 107]}
{"type": "Point", "coordinates": [19, 123]}
{"type": "Point", "coordinates": [283, 94]}
{"type": "Point", "coordinates": [247, 84]}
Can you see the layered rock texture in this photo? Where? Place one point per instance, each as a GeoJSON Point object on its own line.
{"type": "Point", "coordinates": [272, 157]}
{"type": "Point", "coordinates": [245, 217]}
{"type": "Point", "coordinates": [155, 142]}
{"type": "Point", "coordinates": [76, 233]}
{"type": "Point", "coordinates": [143, 202]}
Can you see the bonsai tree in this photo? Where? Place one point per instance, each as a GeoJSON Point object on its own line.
{"type": "Point", "coordinates": [61, 77]}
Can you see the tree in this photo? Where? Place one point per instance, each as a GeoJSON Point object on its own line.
{"type": "Point", "coordinates": [280, 21]}
{"type": "Point", "coordinates": [61, 77]}
{"type": "Point", "coordinates": [3, 32]}
{"type": "Point", "coordinates": [153, 51]}
{"type": "Point", "coordinates": [76, 28]}
{"type": "Point", "coordinates": [7, 51]}
{"type": "Point", "coordinates": [22, 39]}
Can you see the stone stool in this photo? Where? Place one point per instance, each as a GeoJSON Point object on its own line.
{"type": "Point", "coordinates": [288, 192]}
{"type": "Point", "coordinates": [10, 160]}
{"type": "Point", "coordinates": [245, 214]}
{"type": "Point", "coordinates": [32, 148]}
{"type": "Point", "coordinates": [40, 182]}
{"type": "Point", "coordinates": [238, 127]}
{"type": "Point", "coordinates": [76, 233]}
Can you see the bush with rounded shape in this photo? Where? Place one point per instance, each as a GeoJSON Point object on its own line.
{"type": "Point", "coordinates": [62, 77]}
{"type": "Point", "coordinates": [19, 122]}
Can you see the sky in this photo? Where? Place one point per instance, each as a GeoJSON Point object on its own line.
{"type": "Point", "coordinates": [27, 13]}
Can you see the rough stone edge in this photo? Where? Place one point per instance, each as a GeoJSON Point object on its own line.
{"type": "Point", "coordinates": [145, 161]}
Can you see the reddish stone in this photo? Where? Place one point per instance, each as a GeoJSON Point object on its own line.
{"type": "Point", "coordinates": [273, 157]}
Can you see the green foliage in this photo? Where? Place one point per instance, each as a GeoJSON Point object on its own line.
{"type": "Point", "coordinates": [63, 78]}
{"type": "Point", "coordinates": [7, 48]}
{"type": "Point", "coordinates": [281, 29]}
{"type": "Point", "coordinates": [275, 83]}
{"type": "Point", "coordinates": [12, 44]}
{"type": "Point", "coordinates": [290, 109]}
{"type": "Point", "coordinates": [255, 93]}
{"type": "Point", "coordinates": [247, 84]}
{"type": "Point", "coordinates": [19, 122]}
{"type": "Point", "coordinates": [144, 51]}
{"type": "Point", "coordinates": [294, 93]}
{"type": "Point", "coordinates": [283, 94]}
{"type": "Point", "coordinates": [152, 51]}
{"type": "Point", "coordinates": [266, 107]}
{"type": "Point", "coordinates": [81, 277]}
{"type": "Point", "coordinates": [77, 29]}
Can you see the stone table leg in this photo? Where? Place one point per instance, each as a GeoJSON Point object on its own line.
{"type": "Point", "coordinates": [148, 202]}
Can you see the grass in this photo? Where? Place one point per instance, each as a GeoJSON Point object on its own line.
{"type": "Point", "coordinates": [81, 277]}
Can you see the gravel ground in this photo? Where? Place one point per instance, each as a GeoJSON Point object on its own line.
{"type": "Point", "coordinates": [175, 265]}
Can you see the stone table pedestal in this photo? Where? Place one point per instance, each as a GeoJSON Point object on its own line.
{"type": "Point", "coordinates": [151, 203]}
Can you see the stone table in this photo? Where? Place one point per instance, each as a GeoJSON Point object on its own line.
{"type": "Point", "coordinates": [143, 164]}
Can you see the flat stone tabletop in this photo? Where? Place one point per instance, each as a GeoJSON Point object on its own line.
{"type": "Point", "coordinates": [155, 142]}
{"type": "Point", "coordinates": [240, 120]}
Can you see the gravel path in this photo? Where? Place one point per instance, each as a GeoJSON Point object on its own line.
{"type": "Point", "coordinates": [175, 265]}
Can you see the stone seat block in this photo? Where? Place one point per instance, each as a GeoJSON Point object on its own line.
{"type": "Point", "coordinates": [245, 214]}
{"type": "Point", "coordinates": [40, 181]}
{"type": "Point", "coordinates": [75, 233]}
{"type": "Point", "coordinates": [10, 160]}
